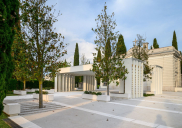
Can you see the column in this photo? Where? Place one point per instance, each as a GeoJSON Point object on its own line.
{"type": "Point", "coordinates": [139, 79]}
{"type": "Point", "coordinates": [89, 85]}
{"type": "Point", "coordinates": [58, 81]}
{"type": "Point", "coordinates": [95, 85]}
{"type": "Point", "coordinates": [71, 83]}
{"type": "Point", "coordinates": [63, 84]}
{"type": "Point", "coordinates": [142, 79]}
{"type": "Point", "coordinates": [66, 82]}
{"type": "Point", "coordinates": [93, 82]}
{"type": "Point", "coordinates": [84, 83]}
{"type": "Point", "coordinates": [134, 79]}
{"type": "Point", "coordinates": [55, 83]}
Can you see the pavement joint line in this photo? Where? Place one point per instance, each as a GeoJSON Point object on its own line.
{"type": "Point", "coordinates": [114, 116]}
{"type": "Point", "coordinates": [21, 121]}
{"type": "Point", "coordinates": [155, 101]}
{"type": "Point", "coordinates": [146, 107]}
{"type": "Point", "coordinates": [164, 98]}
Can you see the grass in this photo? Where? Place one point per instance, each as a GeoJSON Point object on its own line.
{"type": "Point", "coordinates": [145, 95]}
{"type": "Point", "coordinates": [2, 123]}
{"type": "Point", "coordinates": [10, 93]}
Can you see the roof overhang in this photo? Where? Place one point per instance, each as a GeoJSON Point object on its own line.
{"type": "Point", "coordinates": [78, 70]}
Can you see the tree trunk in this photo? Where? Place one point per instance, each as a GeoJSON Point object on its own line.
{"type": "Point", "coordinates": [40, 94]}
{"type": "Point", "coordinates": [24, 84]}
{"type": "Point", "coordinates": [107, 87]}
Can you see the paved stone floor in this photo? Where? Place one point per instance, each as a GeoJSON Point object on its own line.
{"type": "Point", "coordinates": [69, 110]}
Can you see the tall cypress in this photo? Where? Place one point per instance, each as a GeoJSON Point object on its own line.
{"type": "Point", "coordinates": [8, 19]}
{"type": "Point", "coordinates": [76, 55]}
{"type": "Point", "coordinates": [76, 62]}
{"type": "Point", "coordinates": [155, 44]}
{"type": "Point", "coordinates": [108, 48]}
{"type": "Point", "coordinates": [120, 46]}
{"type": "Point", "coordinates": [98, 59]}
{"type": "Point", "coordinates": [174, 41]}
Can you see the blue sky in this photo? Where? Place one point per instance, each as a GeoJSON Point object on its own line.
{"type": "Point", "coordinates": [149, 18]}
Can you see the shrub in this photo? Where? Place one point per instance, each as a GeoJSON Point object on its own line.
{"type": "Point", "coordinates": [98, 86]}
{"type": "Point", "coordinates": [43, 92]}
{"type": "Point", "coordinates": [98, 93]}
{"type": "Point", "coordinates": [93, 93]}
{"type": "Point", "coordinates": [15, 85]}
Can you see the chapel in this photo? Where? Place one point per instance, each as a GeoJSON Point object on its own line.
{"type": "Point", "coordinates": [169, 59]}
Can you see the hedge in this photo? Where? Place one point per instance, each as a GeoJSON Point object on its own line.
{"type": "Point", "coordinates": [18, 85]}
{"type": "Point", "coordinates": [15, 85]}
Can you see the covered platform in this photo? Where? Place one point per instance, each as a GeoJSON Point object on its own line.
{"type": "Point", "coordinates": [65, 79]}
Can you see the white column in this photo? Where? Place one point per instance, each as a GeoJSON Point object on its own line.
{"type": "Point", "coordinates": [69, 83]}
{"type": "Point", "coordinates": [63, 83]}
{"type": "Point", "coordinates": [58, 82]}
{"type": "Point", "coordinates": [134, 79]}
{"type": "Point", "coordinates": [142, 79]}
{"type": "Point", "coordinates": [73, 86]}
{"type": "Point", "coordinates": [84, 83]}
{"type": "Point", "coordinates": [89, 86]}
{"type": "Point", "coordinates": [55, 83]}
{"type": "Point", "coordinates": [66, 82]}
{"type": "Point", "coordinates": [95, 85]}
{"type": "Point", "coordinates": [137, 79]}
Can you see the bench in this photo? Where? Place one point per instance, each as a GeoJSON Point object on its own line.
{"type": "Point", "coordinates": [12, 109]}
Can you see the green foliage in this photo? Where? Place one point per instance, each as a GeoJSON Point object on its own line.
{"type": "Point", "coordinates": [174, 41]}
{"type": "Point", "coordinates": [93, 93]}
{"type": "Point", "coordinates": [35, 84]}
{"type": "Point", "coordinates": [121, 48]}
{"type": "Point", "coordinates": [155, 44]}
{"type": "Point", "coordinates": [43, 92]}
{"type": "Point", "coordinates": [141, 53]}
{"type": "Point", "coordinates": [110, 67]}
{"type": "Point", "coordinates": [145, 95]}
{"type": "Point", "coordinates": [2, 123]}
{"type": "Point", "coordinates": [98, 86]}
{"type": "Point", "coordinates": [14, 85]}
{"type": "Point", "coordinates": [8, 19]}
{"type": "Point", "coordinates": [76, 62]}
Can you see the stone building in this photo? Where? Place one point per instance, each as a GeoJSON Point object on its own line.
{"type": "Point", "coordinates": [168, 58]}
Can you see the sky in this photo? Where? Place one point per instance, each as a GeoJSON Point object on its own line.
{"type": "Point", "coordinates": [149, 18]}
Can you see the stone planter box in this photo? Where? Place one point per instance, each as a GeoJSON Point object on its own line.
{"type": "Point", "coordinates": [95, 97]}
{"type": "Point", "coordinates": [51, 91]}
{"type": "Point", "coordinates": [20, 92]}
{"type": "Point", "coordinates": [12, 109]}
{"type": "Point", "coordinates": [46, 97]}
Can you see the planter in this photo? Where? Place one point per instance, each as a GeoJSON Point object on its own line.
{"type": "Point", "coordinates": [46, 97]}
{"type": "Point", "coordinates": [51, 91]}
{"type": "Point", "coordinates": [12, 109]}
{"type": "Point", "coordinates": [20, 92]}
{"type": "Point", "coordinates": [95, 97]}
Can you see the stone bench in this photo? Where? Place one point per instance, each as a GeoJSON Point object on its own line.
{"type": "Point", "coordinates": [20, 92]}
{"type": "Point", "coordinates": [105, 98]}
{"type": "Point", "coordinates": [32, 90]}
{"type": "Point", "coordinates": [12, 109]}
{"type": "Point", "coordinates": [46, 97]}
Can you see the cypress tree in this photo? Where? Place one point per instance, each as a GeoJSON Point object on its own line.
{"type": "Point", "coordinates": [76, 55]}
{"type": "Point", "coordinates": [155, 44]}
{"type": "Point", "coordinates": [121, 48]}
{"type": "Point", "coordinates": [174, 41]}
{"type": "Point", "coordinates": [8, 19]}
{"type": "Point", "coordinates": [99, 55]}
{"type": "Point", "coordinates": [76, 62]}
{"type": "Point", "coordinates": [108, 48]}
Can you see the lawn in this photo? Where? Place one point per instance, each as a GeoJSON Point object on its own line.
{"type": "Point", "coordinates": [145, 95]}
{"type": "Point", "coordinates": [2, 123]}
{"type": "Point", "coordinates": [10, 93]}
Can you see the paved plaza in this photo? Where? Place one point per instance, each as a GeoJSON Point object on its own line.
{"type": "Point", "coordinates": [69, 110]}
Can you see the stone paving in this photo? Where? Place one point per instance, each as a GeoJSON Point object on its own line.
{"type": "Point", "coordinates": [161, 111]}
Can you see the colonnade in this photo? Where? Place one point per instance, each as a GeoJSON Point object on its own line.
{"type": "Point", "coordinates": [66, 83]}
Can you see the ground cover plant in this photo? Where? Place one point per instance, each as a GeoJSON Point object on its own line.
{"type": "Point", "coordinates": [145, 95]}
{"type": "Point", "coordinates": [43, 92]}
{"type": "Point", "coordinates": [93, 93]}
{"type": "Point", "coordinates": [2, 123]}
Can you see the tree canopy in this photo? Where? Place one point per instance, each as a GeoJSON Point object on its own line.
{"type": "Point", "coordinates": [110, 67]}
{"type": "Point", "coordinates": [174, 41]}
{"type": "Point", "coordinates": [155, 44]}
{"type": "Point", "coordinates": [121, 48]}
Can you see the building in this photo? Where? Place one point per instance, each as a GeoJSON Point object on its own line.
{"type": "Point", "coordinates": [169, 59]}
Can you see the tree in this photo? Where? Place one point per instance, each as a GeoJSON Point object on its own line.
{"type": "Point", "coordinates": [121, 48]}
{"type": "Point", "coordinates": [37, 31]}
{"type": "Point", "coordinates": [98, 60]}
{"type": "Point", "coordinates": [155, 44]}
{"type": "Point", "coordinates": [141, 53]}
{"type": "Point", "coordinates": [8, 19]}
{"type": "Point", "coordinates": [110, 67]}
{"type": "Point", "coordinates": [84, 60]}
{"type": "Point", "coordinates": [174, 41]}
{"type": "Point", "coordinates": [76, 61]}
